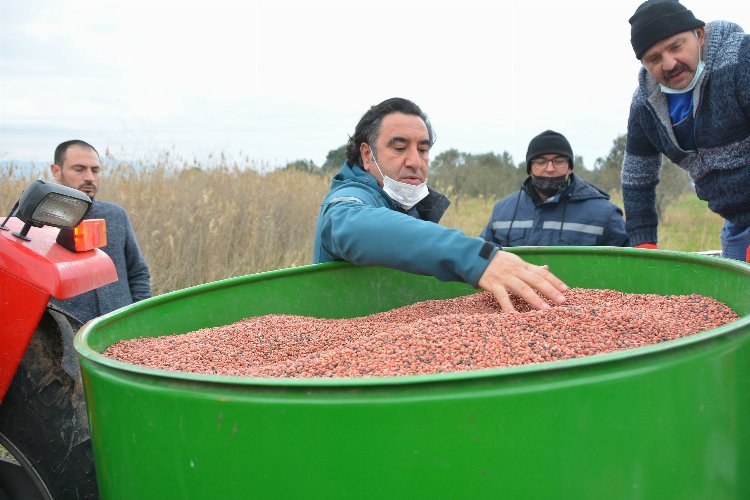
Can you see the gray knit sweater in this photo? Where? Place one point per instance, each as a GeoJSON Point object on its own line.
{"type": "Point", "coordinates": [134, 281]}
{"type": "Point", "coordinates": [720, 165]}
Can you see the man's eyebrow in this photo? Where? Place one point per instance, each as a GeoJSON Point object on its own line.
{"type": "Point", "coordinates": [679, 41]}
{"type": "Point", "coordinates": [403, 140]}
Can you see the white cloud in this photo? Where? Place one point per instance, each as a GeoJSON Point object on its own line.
{"type": "Point", "coordinates": [285, 80]}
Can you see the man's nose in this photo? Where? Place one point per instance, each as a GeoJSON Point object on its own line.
{"type": "Point", "coordinates": [88, 175]}
{"type": "Point", "coordinates": [668, 62]}
{"type": "Point", "coordinates": [413, 159]}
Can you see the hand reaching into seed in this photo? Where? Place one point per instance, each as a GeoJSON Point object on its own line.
{"type": "Point", "coordinates": [507, 272]}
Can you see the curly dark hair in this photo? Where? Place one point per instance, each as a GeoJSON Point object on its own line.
{"type": "Point", "coordinates": [368, 128]}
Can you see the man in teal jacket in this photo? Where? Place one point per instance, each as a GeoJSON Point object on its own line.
{"type": "Point", "coordinates": [380, 211]}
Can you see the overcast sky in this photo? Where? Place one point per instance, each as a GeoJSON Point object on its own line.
{"type": "Point", "coordinates": [280, 81]}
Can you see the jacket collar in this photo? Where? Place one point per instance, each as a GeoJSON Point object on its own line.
{"type": "Point", "coordinates": [431, 208]}
{"type": "Point", "coordinates": [576, 190]}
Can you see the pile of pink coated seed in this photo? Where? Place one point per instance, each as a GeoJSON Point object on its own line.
{"type": "Point", "coordinates": [436, 336]}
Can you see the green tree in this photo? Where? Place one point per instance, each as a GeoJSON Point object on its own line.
{"type": "Point", "coordinates": [334, 160]}
{"type": "Point", "coordinates": [673, 180]}
{"type": "Point", "coordinates": [493, 175]}
{"type": "Point", "coordinates": [447, 172]}
{"type": "Point", "coordinates": [487, 175]}
{"type": "Point", "coordinates": [606, 173]}
{"type": "Point", "coordinates": [302, 165]}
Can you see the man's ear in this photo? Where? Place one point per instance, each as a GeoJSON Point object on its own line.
{"type": "Point", "coordinates": [701, 34]}
{"type": "Point", "coordinates": [366, 153]}
{"type": "Point", "coordinates": [56, 171]}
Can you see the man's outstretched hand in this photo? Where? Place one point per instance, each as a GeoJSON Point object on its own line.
{"type": "Point", "coordinates": [507, 273]}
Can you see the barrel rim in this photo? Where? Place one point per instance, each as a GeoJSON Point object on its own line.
{"type": "Point", "coordinates": [628, 355]}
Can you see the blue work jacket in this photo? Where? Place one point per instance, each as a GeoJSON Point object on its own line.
{"type": "Point", "coordinates": [580, 215]}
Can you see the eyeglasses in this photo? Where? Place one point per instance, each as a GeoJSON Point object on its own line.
{"type": "Point", "coordinates": [558, 162]}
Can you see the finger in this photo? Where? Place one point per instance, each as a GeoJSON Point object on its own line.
{"type": "Point", "coordinates": [527, 293]}
{"type": "Point", "coordinates": [545, 283]}
{"type": "Point", "coordinates": [502, 298]}
{"type": "Point", "coordinates": [556, 282]}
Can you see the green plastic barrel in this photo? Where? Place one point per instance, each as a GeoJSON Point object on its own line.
{"type": "Point", "coordinates": [667, 421]}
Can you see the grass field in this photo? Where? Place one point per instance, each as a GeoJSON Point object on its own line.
{"type": "Point", "coordinates": [690, 226]}
{"type": "Point", "coordinates": [197, 225]}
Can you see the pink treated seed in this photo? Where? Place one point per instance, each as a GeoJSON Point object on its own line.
{"type": "Point", "coordinates": [435, 336]}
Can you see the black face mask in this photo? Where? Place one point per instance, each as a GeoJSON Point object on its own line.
{"type": "Point", "coordinates": [549, 186]}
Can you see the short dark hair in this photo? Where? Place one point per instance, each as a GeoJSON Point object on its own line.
{"type": "Point", "coordinates": [368, 128]}
{"type": "Point", "coordinates": [61, 149]}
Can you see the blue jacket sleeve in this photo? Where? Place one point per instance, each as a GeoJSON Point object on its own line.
{"type": "Point", "coordinates": [487, 233]}
{"type": "Point", "coordinates": [366, 235]}
{"type": "Point", "coordinates": [614, 230]}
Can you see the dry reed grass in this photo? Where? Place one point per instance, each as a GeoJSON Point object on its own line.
{"type": "Point", "coordinates": [196, 225]}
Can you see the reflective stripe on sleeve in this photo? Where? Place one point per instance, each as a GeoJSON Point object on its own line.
{"type": "Point", "coordinates": [345, 198]}
{"type": "Point", "coordinates": [519, 224]}
{"type": "Point", "coordinates": [573, 226]}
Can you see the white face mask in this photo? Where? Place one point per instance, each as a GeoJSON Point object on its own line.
{"type": "Point", "coordinates": [406, 195]}
{"type": "Point", "coordinates": [691, 85]}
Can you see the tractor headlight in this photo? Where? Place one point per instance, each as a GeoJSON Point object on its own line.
{"type": "Point", "coordinates": [47, 204]}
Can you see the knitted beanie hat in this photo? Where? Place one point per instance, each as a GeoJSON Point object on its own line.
{"type": "Point", "coordinates": [655, 20]}
{"type": "Point", "coordinates": [548, 142]}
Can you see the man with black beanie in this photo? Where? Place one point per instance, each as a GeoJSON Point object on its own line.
{"type": "Point", "coordinates": [554, 207]}
{"type": "Point", "coordinates": [692, 105]}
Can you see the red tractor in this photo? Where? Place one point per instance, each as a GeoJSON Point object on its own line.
{"type": "Point", "coordinates": [43, 420]}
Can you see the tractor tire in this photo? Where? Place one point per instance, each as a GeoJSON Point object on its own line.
{"type": "Point", "coordinates": [43, 419]}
